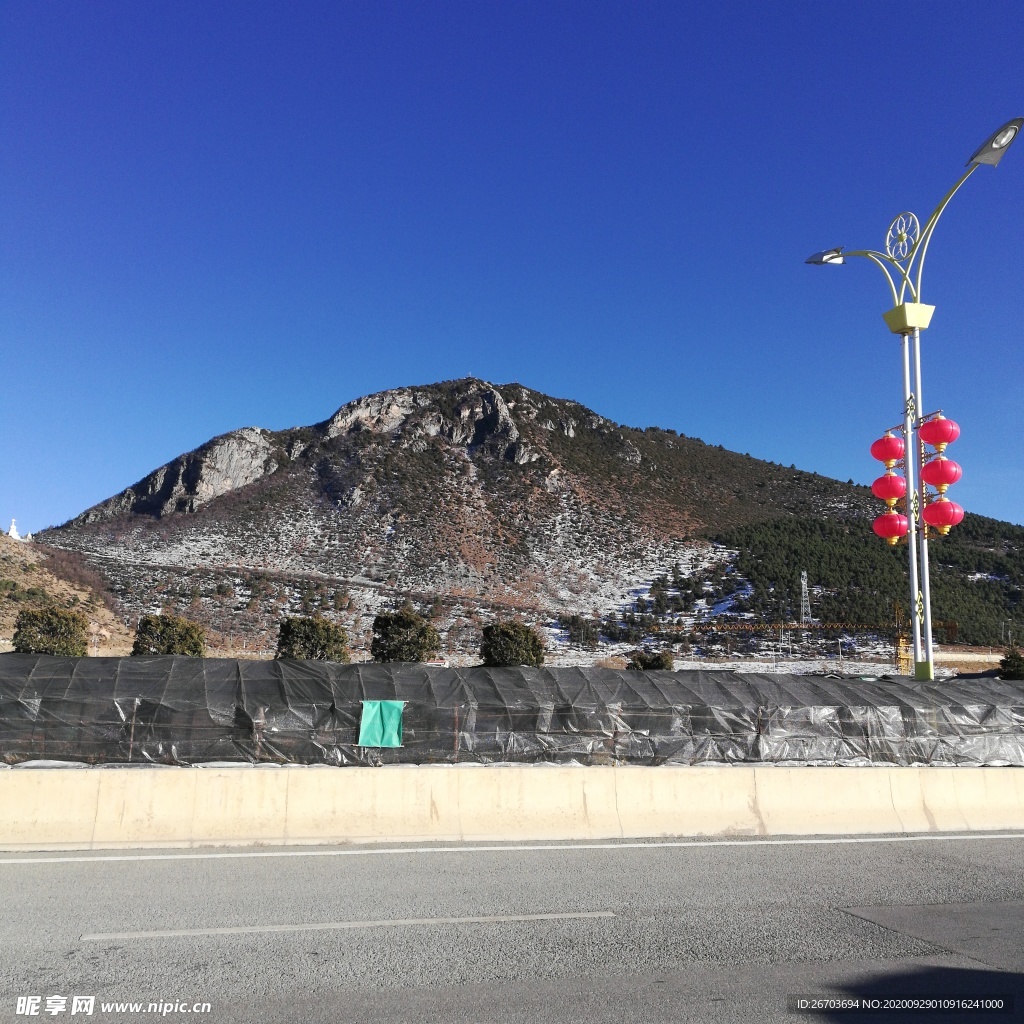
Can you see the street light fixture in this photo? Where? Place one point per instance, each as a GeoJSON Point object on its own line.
{"type": "Point", "coordinates": [827, 257]}
{"type": "Point", "coordinates": [906, 244]}
{"type": "Point", "coordinates": [991, 152]}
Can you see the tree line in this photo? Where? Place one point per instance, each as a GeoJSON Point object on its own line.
{"type": "Point", "coordinates": [402, 635]}
{"type": "Point", "coordinates": [977, 573]}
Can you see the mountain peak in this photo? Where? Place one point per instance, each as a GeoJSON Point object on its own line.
{"type": "Point", "coordinates": [467, 411]}
{"type": "Point", "coordinates": [463, 487]}
{"type": "Point", "coordinates": [472, 499]}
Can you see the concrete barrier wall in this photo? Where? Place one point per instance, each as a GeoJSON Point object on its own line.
{"type": "Point", "coordinates": [154, 807]}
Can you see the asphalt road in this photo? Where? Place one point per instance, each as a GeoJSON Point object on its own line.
{"type": "Point", "coordinates": [700, 931]}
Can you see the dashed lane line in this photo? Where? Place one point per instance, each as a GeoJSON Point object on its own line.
{"type": "Point", "coordinates": [327, 926]}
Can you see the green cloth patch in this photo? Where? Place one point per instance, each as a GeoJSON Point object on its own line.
{"type": "Point", "coordinates": [381, 723]}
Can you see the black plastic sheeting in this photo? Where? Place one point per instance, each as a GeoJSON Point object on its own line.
{"type": "Point", "coordinates": [176, 710]}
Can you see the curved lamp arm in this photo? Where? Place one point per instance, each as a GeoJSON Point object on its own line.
{"type": "Point", "coordinates": [880, 259]}
{"type": "Point", "coordinates": [990, 153]}
{"type": "Point", "coordinates": [886, 263]}
{"type": "Point", "coordinates": [929, 227]}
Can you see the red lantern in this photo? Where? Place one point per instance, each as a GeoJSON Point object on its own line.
{"type": "Point", "coordinates": [888, 449]}
{"type": "Point", "coordinates": [941, 472]}
{"type": "Point", "coordinates": [939, 432]}
{"type": "Point", "coordinates": [890, 527]}
{"type": "Point", "coordinates": [943, 514]}
{"type": "Point", "coordinates": [889, 488]}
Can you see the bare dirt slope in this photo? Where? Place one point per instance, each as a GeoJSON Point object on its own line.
{"type": "Point", "coordinates": [28, 579]}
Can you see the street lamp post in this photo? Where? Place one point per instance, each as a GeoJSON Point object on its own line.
{"type": "Point", "coordinates": [902, 263]}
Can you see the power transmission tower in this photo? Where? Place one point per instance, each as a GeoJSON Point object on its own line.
{"type": "Point", "coordinates": [805, 600]}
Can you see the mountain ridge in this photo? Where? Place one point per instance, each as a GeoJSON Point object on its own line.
{"type": "Point", "coordinates": [480, 418]}
{"type": "Point", "coordinates": [240, 457]}
{"type": "Point", "coordinates": [482, 495]}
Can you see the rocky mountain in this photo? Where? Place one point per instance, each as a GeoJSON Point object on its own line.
{"type": "Point", "coordinates": [466, 495]}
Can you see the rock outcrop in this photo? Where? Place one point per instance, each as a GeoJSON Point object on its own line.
{"type": "Point", "coordinates": [475, 417]}
{"type": "Point", "coordinates": [191, 480]}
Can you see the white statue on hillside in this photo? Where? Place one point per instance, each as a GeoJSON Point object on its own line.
{"type": "Point", "coordinates": [14, 535]}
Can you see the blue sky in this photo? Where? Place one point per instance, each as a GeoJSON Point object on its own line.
{"type": "Point", "coordinates": [218, 214]}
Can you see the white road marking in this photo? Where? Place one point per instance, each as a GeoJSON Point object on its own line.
{"type": "Point", "coordinates": [928, 837]}
{"type": "Point", "coordinates": [343, 925]}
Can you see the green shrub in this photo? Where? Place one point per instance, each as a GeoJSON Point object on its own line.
{"type": "Point", "coordinates": [1011, 666]}
{"type": "Point", "coordinates": [51, 631]}
{"type": "Point", "coordinates": [511, 643]}
{"type": "Point", "coordinates": [169, 634]}
{"type": "Point", "coordinates": [651, 661]}
{"type": "Point", "coordinates": [312, 638]}
{"type": "Point", "coordinates": [585, 632]}
{"type": "Point", "coordinates": [403, 636]}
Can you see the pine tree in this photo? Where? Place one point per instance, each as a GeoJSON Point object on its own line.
{"type": "Point", "coordinates": [51, 631]}
{"type": "Point", "coordinates": [403, 636]}
{"type": "Point", "coordinates": [651, 661]}
{"type": "Point", "coordinates": [312, 638]}
{"type": "Point", "coordinates": [508, 644]}
{"type": "Point", "coordinates": [1011, 666]}
{"type": "Point", "coordinates": [169, 634]}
